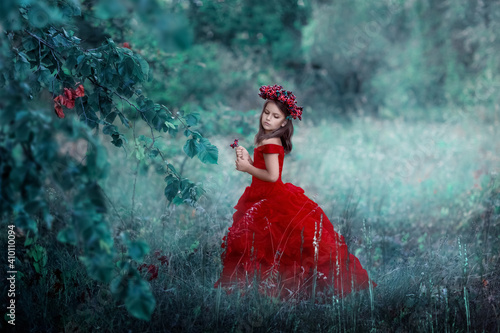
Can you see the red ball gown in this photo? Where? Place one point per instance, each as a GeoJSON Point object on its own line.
{"type": "Point", "coordinates": [282, 241]}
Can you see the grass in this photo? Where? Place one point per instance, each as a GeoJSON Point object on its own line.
{"type": "Point", "coordinates": [418, 204]}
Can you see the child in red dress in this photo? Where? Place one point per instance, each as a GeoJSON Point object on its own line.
{"type": "Point", "coordinates": [280, 239]}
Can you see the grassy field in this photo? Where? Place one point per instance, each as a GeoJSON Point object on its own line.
{"type": "Point", "coordinates": [418, 204]}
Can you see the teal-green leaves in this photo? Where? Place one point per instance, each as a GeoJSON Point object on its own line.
{"type": "Point", "coordinates": [207, 153]}
{"type": "Point", "coordinates": [41, 54]}
{"type": "Point", "coordinates": [136, 249]}
{"type": "Point", "coordinates": [140, 301]}
{"type": "Point", "coordinates": [200, 146]}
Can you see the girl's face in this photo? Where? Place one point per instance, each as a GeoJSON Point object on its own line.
{"type": "Point", "coordinates": [272, 118]}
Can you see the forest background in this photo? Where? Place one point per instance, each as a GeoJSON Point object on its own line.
{"type": "Point", "coordinates": [111, 222]}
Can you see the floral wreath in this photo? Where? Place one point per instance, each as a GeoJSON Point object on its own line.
{"type": "Point", "coordinates": [277, 93]}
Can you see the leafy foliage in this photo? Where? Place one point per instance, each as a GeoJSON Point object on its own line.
{"type": "Point", "coordinates": [40, 55]}
{"type": "Point", "coordinates": [269, 27]}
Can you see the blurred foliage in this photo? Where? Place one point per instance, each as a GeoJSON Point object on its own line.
{"type": "Point", "coordinates": [272, 28]}
{"type": "Point", "coordinates": [42, 55]}
{"type": "Point", "coordinates": [392, 57]}
{"type": "Point", "coordinates": [388, 59]}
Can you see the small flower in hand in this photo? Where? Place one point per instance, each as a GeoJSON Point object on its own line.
{"type": "Point", "coordinates": [235, 144]}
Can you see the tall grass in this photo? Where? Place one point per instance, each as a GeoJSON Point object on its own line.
{"type": "Point", "coordinates": [428, 236]}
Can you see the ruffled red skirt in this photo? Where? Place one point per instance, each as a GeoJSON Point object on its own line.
{"type": "Point", "coordinates": [283, 243]}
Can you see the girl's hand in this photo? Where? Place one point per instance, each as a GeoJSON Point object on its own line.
{"type": "Point", "coordinates": [242, 153]}
{"type": "Point", "coordinates": [242, 164]}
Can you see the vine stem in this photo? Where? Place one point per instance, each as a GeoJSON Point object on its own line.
{"type": "Point", "coordinates": [133, 193]}
{"type": "Point", "coordinates": [135, 182]}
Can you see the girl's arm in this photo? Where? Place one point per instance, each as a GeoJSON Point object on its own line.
{"type": "Point", "coordinates": [269, 174]}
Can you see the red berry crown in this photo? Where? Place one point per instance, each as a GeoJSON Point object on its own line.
{"type": "Point", "coordinates": [277, 93]}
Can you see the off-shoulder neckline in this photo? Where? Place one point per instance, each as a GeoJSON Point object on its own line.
{"type": "Point", "coordinates": [267, 144]}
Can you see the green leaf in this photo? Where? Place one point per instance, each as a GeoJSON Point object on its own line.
{"type": "Point", "coordinates": [28, 240]}
{"type": "Point", "coordinates": [144, 65]}
{"type": "Point", "coordinates": [153, 153]}
{"type": "Point", "coordinates": [109, 129]}
{"type": "Point", "coordinates": [140, 301]}
{"type": "Point", "coordinates": [190, 148]}
{"type": "Point", "coordinates": [39, 255]}
{"type": "Point", "coordinates": [197, 135]}
{"type": "Point", "coordinates": [59, 40]}
{"type": "Point", "coordinates": [138, 249]}
{"type": "Point", "coordinates": [117, 141]}
{"type": "Point", "coordinates": [172, 189]}
{"type": "Point", "coordinates": [23, 57]}
{"type": "Point", "coordinates": [84, 68]}
{"type": "Point", "coordinates": [149, 115]}
{"type": "Point", "coordinates": [194, 246]}
{"type": "Point", "coordinates": [178, 200]}
{"type": "Point", "coordinates": [124, 120]}
{"type": "Point", "coordinates": [139, 153]}
{"type": "Point", "coordinates": [99, 267]}
{"type": "Point", "coordinates": [80, 59]}
{"type": "Point", "coordinates": [207, 153]}
{"type": "Point", "coordinates": [118, 286]}
{"type": "Point", "coordinates": [192, 119]}
{"type": "Point", "coordinates": [145, 139]}
{"type": "Point", "coordinates": [29, 43]}
{"type": "Point", "coordinates": [172, 169]}
{"type": "Point", "coordinates": [169, 125]}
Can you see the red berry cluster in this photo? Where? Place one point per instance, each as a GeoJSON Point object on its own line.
{"type": "Point", "coordinates": [235, 144]}
{"type": "Point", "coordinates": [277, 93]}
{"type": "Point", "coordinates": [67, 98]}
{"type": "Point", "coordinates": [152, 268]}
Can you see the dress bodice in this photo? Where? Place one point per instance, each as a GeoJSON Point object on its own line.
{"type": "Point", "coordinates": [260, 163]}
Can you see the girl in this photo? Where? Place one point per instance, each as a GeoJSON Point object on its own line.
{"type": "Point", "coordinates": [280, 239]}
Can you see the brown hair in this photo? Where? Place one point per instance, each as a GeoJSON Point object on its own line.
{"type": "Point", "coordinates": [284, 133]}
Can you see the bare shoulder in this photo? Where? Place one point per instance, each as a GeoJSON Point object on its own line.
{"type": "Point", "coordinates": [274, 141]}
